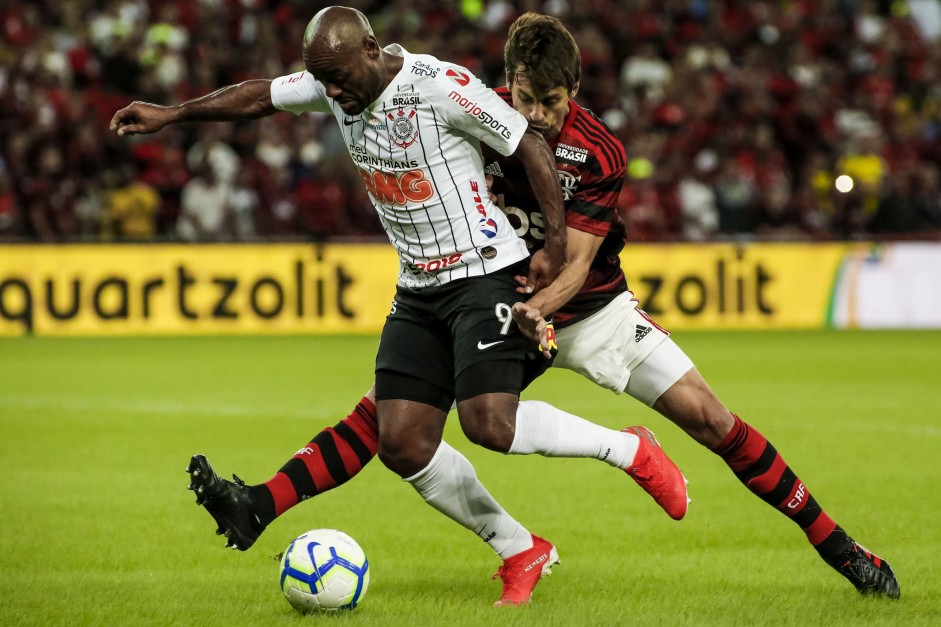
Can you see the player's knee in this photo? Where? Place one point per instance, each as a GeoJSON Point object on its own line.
{"type": "Point", "coordinates": [405, 458]}
{"type": "Point", "coordinates": [490, 429]}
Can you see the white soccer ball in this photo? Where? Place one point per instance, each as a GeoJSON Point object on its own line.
{"type": "Point", "coordinates": [324, 569]}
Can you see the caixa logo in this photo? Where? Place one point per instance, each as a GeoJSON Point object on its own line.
{"type": "Point", "coordinates": [397, 188]}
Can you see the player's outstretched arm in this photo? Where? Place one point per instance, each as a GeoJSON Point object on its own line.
{"type": "Point", "coordinates": [246, 100]}
{"type": "Point", "coordinates": [537, 159]}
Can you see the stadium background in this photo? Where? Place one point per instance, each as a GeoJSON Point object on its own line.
{"type": "Point", "coordinates": [745, 122]}
{"type": "Point", "coordinates": [738, 117]}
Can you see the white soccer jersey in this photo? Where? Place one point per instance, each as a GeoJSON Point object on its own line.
{"type": "Point", "coordinates": [417, 150]}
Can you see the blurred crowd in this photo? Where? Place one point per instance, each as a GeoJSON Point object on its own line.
{"type": "Point", "coordinates": [802, 119]}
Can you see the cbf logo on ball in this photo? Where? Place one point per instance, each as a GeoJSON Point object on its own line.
{"type": "Point", "coordinates": [402, 130]}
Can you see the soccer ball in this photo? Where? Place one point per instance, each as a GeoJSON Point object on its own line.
{"type": "Point", "coordinates": [324, 569]}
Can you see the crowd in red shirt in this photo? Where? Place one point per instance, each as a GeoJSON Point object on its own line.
{"type": "Point", "coordinates": [809, 119]}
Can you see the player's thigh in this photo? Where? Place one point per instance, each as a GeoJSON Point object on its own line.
{"type": "Point", "coordinates": [610, 344]}
{"type": "Point", "coordinates": [483, 332]}
{"type": "Point", "coordinates": [660, 371]}
{"type": "Point", "coordinates": [414, 361]}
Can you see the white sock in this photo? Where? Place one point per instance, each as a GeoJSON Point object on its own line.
{"type": "Point", "coordinates": [450, 485]}
{"type": "Point", "coordinates": [551, 432]}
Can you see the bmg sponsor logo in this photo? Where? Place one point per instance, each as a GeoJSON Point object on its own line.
{"type": "Point", "coordinates": [397, 188]}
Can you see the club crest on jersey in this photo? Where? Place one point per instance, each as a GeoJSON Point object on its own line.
{"type": "Point", "coordinates": [488, 227]}
{"type": "Point", "coordinates": [569, 183]}
{"type": "Point", "coordinates": [402, 129]}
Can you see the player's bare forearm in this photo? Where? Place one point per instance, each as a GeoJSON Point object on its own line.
{"type": "Point", "coordinates": [247, 100]}
{"type": "Point", "coordinates": [581, 250]}
{"type": "Point", "coordinates": [537, 159]}
{"type": "Point", "coordinates": [550, 298]}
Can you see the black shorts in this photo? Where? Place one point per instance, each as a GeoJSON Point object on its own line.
{"type": "Point", "coordinates": [456, 341]}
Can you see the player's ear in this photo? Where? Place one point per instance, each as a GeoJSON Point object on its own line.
{"type": "Point", "coordinates": [372, 47]}
{"type": "Point", "coordinates": [574, 89]}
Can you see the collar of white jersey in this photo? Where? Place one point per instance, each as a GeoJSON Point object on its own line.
{"type": "Point", "coordinates": [398, 51]}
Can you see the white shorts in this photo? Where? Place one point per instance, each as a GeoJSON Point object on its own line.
{"type": "Point", "coordinates": [620, 348]}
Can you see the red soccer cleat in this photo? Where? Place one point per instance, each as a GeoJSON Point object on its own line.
{"type": "Point", "coordinates": [658, 475]}
{"type": "Point", "coordinates": [521, 572]}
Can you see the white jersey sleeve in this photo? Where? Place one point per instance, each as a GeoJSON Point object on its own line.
{"type": "Point", "coordinates": [299, 93]}
{"type": "Point", "coordinates": [474, 108]}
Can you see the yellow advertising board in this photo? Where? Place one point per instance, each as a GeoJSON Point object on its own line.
{"type": "Point", "coordinates": [348, 288]}
{"type": "Point", "coordinates": [726, 286]}
{"type": "Point", "coordinates": [182, 289]}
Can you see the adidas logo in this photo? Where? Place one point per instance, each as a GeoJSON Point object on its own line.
{"type": "Point", "coordinates": [494, 169]}
{"type": "Point", "coordinates": [641, 332]}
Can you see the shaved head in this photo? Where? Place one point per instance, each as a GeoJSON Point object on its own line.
{"type": "Point", "coordinates": [341, 51]}
{"type": "Point", "coordinates": [334, 30]}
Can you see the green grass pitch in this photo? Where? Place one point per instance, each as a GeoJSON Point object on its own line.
{"type": "Point", "coordinates": [98, 528]}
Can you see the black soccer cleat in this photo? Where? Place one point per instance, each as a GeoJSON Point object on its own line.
{"type": "Point", "coordinates": [229, 504]}
{"type": "Point", "coordinates": [868, 572]}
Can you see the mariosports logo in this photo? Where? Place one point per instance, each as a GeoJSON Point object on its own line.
{"type": "Point", "coordinates": [472, 108]}
{"type": "Point", "coordinates": [460, 78]}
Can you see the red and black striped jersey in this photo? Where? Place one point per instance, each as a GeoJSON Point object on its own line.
{"type": "Point", "coordinates": [591, 163]}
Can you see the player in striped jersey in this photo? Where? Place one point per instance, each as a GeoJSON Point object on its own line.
{"type": "Point", "coordinates": [601, 333]}
{"type": "Point", "coordinates": [413, 125]}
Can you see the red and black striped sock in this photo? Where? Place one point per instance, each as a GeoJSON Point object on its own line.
{"type": "Point", "coordinates": [332, 458]}
{"type": "Point", "coordinates": [758, 465]}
